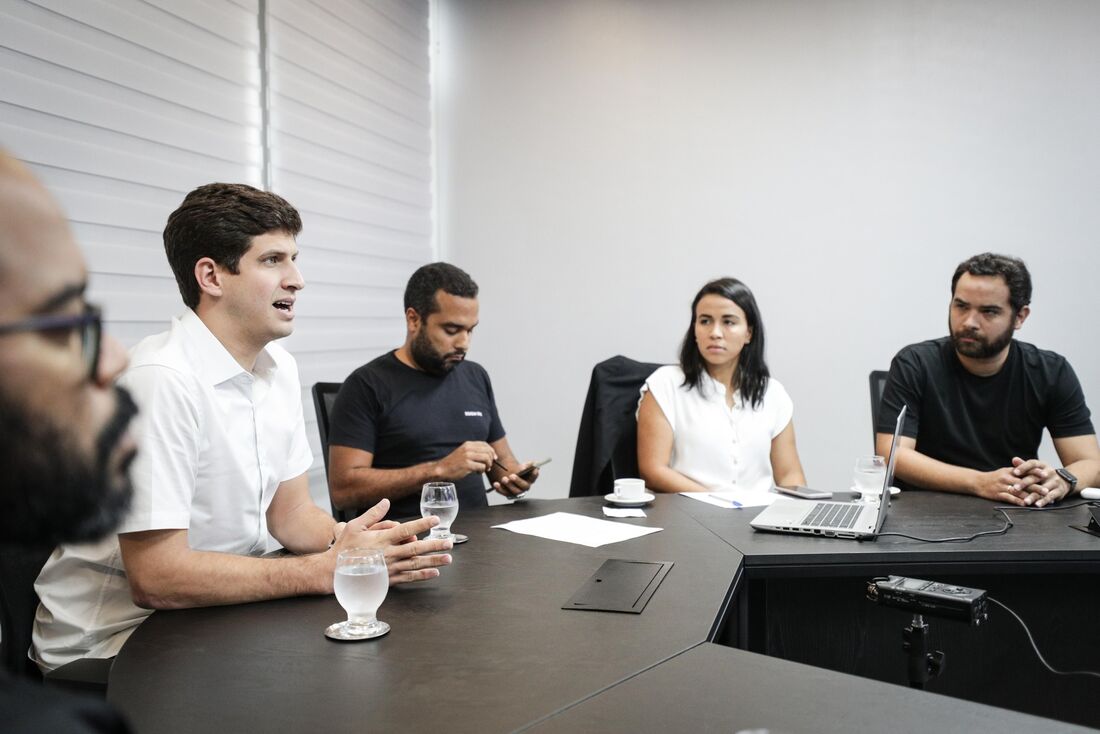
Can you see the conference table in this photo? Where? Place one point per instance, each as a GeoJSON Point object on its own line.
{"type": "Point", "coordinates": [747, 631]}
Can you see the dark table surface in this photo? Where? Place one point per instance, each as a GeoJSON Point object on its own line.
{"type": "Point", "coordinates": [487, 647]}
{"type": "Point", "coordinates": [720, 689]}
{"type": "Point", "coordinates": [802, 599]}
{"type": "Point", "coordinates": [1037, 539]}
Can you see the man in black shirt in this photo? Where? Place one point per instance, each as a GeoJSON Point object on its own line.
{"type": "Point", "coordinates": [64, 444]}
{"type": "Point", "coordinates": [979, 400]}
{"type": "Point", "coordinates": [422, 412]}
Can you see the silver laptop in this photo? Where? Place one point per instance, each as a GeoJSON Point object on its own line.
{"type": "Point", "coordinates": [833, 519]}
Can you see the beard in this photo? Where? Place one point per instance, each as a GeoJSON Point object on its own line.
{"type": "Point", "coordinates": [981, 347]}
{"type": "Point", "coordinates": [53, 491]}
{"type": "Point", "coordinates": [428, 359]}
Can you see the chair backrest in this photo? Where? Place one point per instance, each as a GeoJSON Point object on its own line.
{"type": "Point", "coordinates": [324, 395]}
{"type": "Point", "coordinates": [878, 384]}
{"type": "Point", "coordinates": [607, 442]}
{"type": "Point", "coordinates": [19, 567]}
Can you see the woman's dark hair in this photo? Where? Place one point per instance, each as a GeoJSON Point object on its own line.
{"type": "Point", "coordinates": [751, 375]}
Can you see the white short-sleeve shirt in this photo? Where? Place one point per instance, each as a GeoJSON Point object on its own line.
{"type": "Point", "coordinates": [215, 441]}
{"type": "Point", "coordinates": [719, 447]}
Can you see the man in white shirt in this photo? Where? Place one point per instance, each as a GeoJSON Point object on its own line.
{"type": "Point", "coordinates": [224, 454]}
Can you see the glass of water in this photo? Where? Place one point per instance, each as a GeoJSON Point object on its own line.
{"type": "Point", "coordinates": [361, 583]}
{"type": "Point", "coordinates": [440, 499]}
{"type": "Point", "coordinates": [869, 475]}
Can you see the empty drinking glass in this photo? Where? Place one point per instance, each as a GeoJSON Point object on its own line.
{"type": "Point", "coordinates": [440, 499]}
{"type": "Point", "coordinates": [361, 583]}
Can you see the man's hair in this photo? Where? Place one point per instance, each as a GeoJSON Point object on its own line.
{"type": "Point", "coordinates": [751, 376]}
{"type": "Point", "coordinates": [1012, 269]}
{"type": "Point", "coordinates": [218, 221]}
{"type": "Point", "coordinates": [422, 287]}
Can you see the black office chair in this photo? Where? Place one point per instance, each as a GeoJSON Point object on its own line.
{"type": "Point", "coordinates": [324, 395]}
{"type": "Point", "coordinates": [607, 442]}
{"type": "Point", "coordinates": [19, 568]}
{"type": "Point", "coordinates": [878, 384]}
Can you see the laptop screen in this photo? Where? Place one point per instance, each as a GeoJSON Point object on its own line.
{"type": "Point", "coordinates": [884, 499]}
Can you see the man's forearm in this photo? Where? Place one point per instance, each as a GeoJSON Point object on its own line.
{"type": "Point", "coordinates": [308, 529]}
{"type": "Point", "coordinates": [1087, 472]}
{"type": "Point", "coordinates": [923, 471]}
{"type": "Point", "coordinates": [365, 486]}
{"type": "Point", "coordinates": [295, 520]}
{"type": "Point", "coordinates": [203, 578]}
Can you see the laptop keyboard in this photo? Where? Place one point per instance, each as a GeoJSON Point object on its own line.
{"type": "Point", "coordinates": [833, 515]}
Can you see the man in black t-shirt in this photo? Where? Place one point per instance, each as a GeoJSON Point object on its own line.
{"type": "Point", "coordinates": [979, 400]}
{"type": "Point", "coordinates": [422, 412]}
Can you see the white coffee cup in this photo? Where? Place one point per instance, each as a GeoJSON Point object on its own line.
{"type": "Point", "coordinates": [630, 489]}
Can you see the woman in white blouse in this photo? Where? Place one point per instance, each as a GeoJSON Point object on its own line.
{"type": "Point", "coordinates": [718, 421]}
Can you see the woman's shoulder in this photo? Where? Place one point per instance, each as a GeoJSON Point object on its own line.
{"type": "Point", "coordinates": [776, 385]}
{"type": "Point", "coordinates": [668, 372]}
{"type": "Point", "coordinates": [668, 377]}
{"type": "Point", "coordinates": [775, 392]}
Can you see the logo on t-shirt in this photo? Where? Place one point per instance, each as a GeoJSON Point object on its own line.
{"type": "Point", "coordinates": [473, 414]}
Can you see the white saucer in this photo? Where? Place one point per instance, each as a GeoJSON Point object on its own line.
{"type": "Point", "coordinates": [615, 499]}
{"type": "Point", "coordinates": [894, 491]}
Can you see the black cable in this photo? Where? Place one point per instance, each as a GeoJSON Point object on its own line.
{"type": "Point", "coordinates": [1000, 531]}
{"type": "Point", "coordinates": [960, 538]}
{"type": "Point", "coordinates": [1036, 647]}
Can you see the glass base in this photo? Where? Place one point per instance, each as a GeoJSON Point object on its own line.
{"type": "Point", "coordinates": [348, 631]}
{"type": "Point", "coordinates": [455, 538]}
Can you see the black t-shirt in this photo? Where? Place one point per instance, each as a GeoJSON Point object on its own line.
{"type": "Point", "coordinates": [404, 417]}
{"type": "Point", "coordinates": [982, 422]}
{"type": "Point", "coordinates": [30, 707]}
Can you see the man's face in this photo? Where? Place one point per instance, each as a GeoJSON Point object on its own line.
{"type": "Point", "coordinates": [64, 445]}
{"type": "Point", "coordinates": [440, 342]}
{"type": "Point", "coordinates": [980, 318]}
{"type": "Point", "coordinates": [260, 297]}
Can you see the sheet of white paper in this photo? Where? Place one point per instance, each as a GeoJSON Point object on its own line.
{"type": "Point", "coordinates": [622, 512]}
{"type": "Point", "coordinates": [734, 499]}
{"type": "Point", "coordinates": [570, 528]}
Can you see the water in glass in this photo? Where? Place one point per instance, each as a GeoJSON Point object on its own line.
{"type": "Point", "coordinates": [361, 589]}
{"type": "Point", "coordinates": [869, 474]}
{"type": "Point", "coordinates": [440, 499]}
{"type": "Point", "coordinates": [360, 582]}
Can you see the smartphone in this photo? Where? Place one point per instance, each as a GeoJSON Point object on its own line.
{"type": "Point", "coordinates": [805, 493]}
{"type": "Point", "coordinates": [522, 474]}
{"type": "Point", "coordinates": [527, 472]}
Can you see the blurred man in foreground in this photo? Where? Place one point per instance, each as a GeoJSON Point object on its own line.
{"type": "Point", "coordinates": [64, 444]}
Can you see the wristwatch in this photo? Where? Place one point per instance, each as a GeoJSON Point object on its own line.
{"type": "Point", "coordinates": [1070, 479]}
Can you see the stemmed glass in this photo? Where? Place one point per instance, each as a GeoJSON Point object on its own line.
{"type": "Point", "coordinates": [361, 583]}
{"type": "Point", "coordinates": [440, 499]}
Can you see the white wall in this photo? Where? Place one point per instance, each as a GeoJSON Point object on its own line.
{"type": "Point", "coordinates": [600, 159]}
